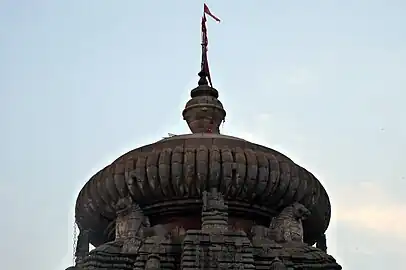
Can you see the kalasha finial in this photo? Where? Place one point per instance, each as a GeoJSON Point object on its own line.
{"type": "Point", "coordinates": [204, 113]}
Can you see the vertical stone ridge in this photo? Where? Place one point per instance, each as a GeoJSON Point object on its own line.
{"type": "Point", "coordinates": [216, 245]}
{"type": "Point", "coordinates": [214, 212]}
{"type": "Point", "coordinates": [82, 247]}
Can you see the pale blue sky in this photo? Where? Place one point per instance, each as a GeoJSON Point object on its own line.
{"type": "Point", "coordinates": [81, 82]}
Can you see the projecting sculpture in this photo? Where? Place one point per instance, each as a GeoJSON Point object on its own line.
{"type": "Point", "coordinates": [287, 227]}
{"type": "Point", "coordinates": [277, 264]}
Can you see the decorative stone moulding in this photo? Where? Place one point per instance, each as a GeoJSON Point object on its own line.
{"type": "Point", "coordinates": [167, 179]}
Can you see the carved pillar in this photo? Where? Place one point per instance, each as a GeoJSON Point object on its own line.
{"type": "Point", "coordinates": [216, 246]}
{"type": "Point", "coordinates": [153, 262]}
{"type": "Point", "coordinates": [214, 212]}
{"type": "Point", "coordinates": [82, 246]}
{"type": "Point", "coordinates": [277, 264]}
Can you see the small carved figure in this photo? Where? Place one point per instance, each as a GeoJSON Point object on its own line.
{"type": "Point", "coordinates": [287, 226]}
{"type": "Point", "coordinates": [277, 264]}
{"type": "Point", "coordinates": [130, 224]}
{"type": "Point", "coordinates": [123, 204]}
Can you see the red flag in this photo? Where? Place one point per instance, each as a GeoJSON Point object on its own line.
{"type": "Point", "coordinates": [208, 12]}
{"type": "Point", "coordinates": [205, 71]}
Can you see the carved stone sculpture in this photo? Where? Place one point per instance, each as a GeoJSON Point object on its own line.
{"type": "Point", "coordinates": [130, 225]}
{"type": "Point", "coordinates": [153, 262]}
{"type": "Point", "coordinates": [214, 212]}
{"type": "Point", "coordinates": [287, 227]}
{"type": "Point", "coordinates": [277, 264]}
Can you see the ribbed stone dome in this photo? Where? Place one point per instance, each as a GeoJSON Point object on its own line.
{"type": "Point", "coordinates": [167, 179]}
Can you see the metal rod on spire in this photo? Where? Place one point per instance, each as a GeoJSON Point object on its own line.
{"type": "Point", "coordinates": [204, 73]}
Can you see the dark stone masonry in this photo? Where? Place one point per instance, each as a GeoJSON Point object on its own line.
{"type": "Point", "coordinates": [203, 201]}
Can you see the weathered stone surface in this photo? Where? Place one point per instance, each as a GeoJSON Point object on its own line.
{"type": "Point", "coordinates": [108, 256]}
{"type": "Point", "coordinates": [287, 226]}
{"type": "Point", "coordinates": [216, 246]}
{"type": "Point", "coordinates": [204, 112]}
{"type": "Point", "coordinates": [254, 180]}
{"type": "Point", "coordinates": [277, 264]}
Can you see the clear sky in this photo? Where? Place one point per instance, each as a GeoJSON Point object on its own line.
{"type": "Point", "coordinates": [82, 82]}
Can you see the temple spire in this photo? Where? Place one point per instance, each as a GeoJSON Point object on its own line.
{"type": "Point", "coordinates": [204, 113]}
{"type": "Point", "coordinates": [204, 74]}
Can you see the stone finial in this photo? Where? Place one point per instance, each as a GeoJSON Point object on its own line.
{"type": "Point", "coordinates": [204, 113]}
{"type": "Point", "coordinates": [214, 212]}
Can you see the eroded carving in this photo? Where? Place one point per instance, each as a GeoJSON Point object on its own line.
{"type": "Point", "coordinates": [158, 230]}
{"type": "Point", "coordinates": [153, 262]}
{"type": "Point", "coordinates": [82, 246]}
{"type": "Point", "coordinates": [277, 264]}
{"type": "Point", "coordinates": [130, 225]}
{"type": "Point", "coordinates": [287, 227]}
{"type": "Point", "coordinates": [214, 212]}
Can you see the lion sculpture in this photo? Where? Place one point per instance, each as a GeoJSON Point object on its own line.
{"type": "Point", "coordinates": [287, 227]}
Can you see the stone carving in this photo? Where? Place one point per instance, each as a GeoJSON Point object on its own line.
{"type": "Point", "coordinates": [154, 237]}
{"type": "Point", "coordinates": [277, 264]}
{"type": "Point", "coordinates": [214, 212]}
{"type": "Point", "coordinates": [259, 231]}
{"type": "Point", "coordinates": [153, 262]}
{"type": "Point", "coordinates": [232, 158]}
{"type": "Point", "coordinates": [130, 224]}
{"type": "Point", "coordinates": [119, 253]}
{"type": "Point", "coordinates": [156, 250]}
{"type": "Point", "coordinates": [156, 230]}
{"type": "Point", "coordinates": [287, 227]}
{"type": "Point", "coordinates": [82, 246]}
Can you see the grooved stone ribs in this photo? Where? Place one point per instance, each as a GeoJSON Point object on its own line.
{"type": "Point", "coordinates": [176, 169]}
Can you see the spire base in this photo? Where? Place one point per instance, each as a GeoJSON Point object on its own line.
{"type": "Point", "coordinates": [204, 113]}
